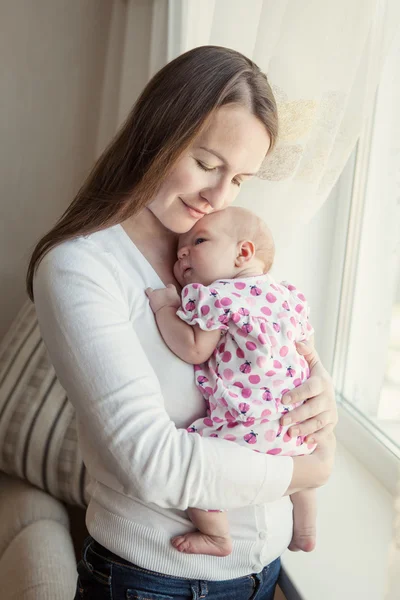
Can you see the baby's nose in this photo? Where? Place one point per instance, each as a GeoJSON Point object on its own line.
{"type": "Point", "coordinates": [182, 252]}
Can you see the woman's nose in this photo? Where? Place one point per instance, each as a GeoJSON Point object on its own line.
{"type": "Point", "coordinates": [219, 195]}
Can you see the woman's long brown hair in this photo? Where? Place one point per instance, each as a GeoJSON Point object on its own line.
{"type": "Point", "coordinates": [171, 111]}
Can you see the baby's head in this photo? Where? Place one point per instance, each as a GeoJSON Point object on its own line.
{"type": "Point", "coordinates": [227, 244]}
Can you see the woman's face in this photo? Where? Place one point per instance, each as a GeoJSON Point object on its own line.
{"type": "Point", "coordinates": [209, 174]}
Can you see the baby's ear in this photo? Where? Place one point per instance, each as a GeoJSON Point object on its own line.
{"type": "Point", "coordinates": [245, 252]}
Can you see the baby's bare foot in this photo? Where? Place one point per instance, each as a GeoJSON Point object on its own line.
{"type": "Point", "coordinates": [303, 540]}
{"type": "Point", "coordinates": [200, 543]}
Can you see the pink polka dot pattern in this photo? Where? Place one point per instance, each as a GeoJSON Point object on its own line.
{"type": "Point", "coordinates": [255, 361]}
{"type": "Point", "coordinates": [278, 383]}
{"type": "Point", "coordinates": [226, 301]}
{"type": "Point", "coordinates": [228, 374]}
{"type": "Point", "coordinates": [261, 361]}
{"type": "Point", "coordinates": [251, 346]}
{"type": "Point", "coordinates": [270, 435]}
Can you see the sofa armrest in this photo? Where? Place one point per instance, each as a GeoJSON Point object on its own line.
{"type": "Point", "coordinates": [37, 559]}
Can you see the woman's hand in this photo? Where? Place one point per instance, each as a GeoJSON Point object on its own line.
{"type": "Point", "coordinates": [317, 417]}
{"type": "Point", "coordinates": [313, 470]}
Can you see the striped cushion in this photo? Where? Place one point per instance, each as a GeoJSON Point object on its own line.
{"type": "Point", "coordinates": [38, 439]}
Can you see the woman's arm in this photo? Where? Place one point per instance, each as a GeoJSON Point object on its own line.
{"type": "Point", "coordinates": [85, 323]}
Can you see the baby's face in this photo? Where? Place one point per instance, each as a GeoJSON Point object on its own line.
{"type": "Point", "coordinates": [207, 252]}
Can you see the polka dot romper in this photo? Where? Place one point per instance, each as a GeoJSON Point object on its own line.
{"type": "Point", "coordinates": [255, 362]}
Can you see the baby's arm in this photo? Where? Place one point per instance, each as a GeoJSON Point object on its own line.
{"type": "Point", "coordinates": [189, 342]}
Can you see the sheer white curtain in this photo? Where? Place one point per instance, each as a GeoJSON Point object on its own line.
{"type": "Point", "coordinates": [323, 60]}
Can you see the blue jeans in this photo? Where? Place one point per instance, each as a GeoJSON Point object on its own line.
{"type": "Point", "coordinates": [103, 575]}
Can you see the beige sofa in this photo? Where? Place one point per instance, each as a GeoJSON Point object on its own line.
{"type": "Point", "coordinates": [37, 556]}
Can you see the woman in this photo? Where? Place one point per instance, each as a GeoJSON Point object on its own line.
{"type": "Point", "coordinates": [200, 129]}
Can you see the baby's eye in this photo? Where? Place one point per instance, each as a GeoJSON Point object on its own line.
{"type": "Point", "coordinates": [236, 182]}
{"type": "Point", "coordinates": [199, 241]}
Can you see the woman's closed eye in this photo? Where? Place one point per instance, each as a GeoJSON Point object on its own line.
{"type": "Point", "coordinates": [207, 169]}
{"type": "Point", "coordinates": [204, 167]}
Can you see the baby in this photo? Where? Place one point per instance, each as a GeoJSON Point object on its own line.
{"type": "Point", "coordinates": [239, 327]}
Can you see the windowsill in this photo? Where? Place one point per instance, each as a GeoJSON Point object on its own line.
{"type": "Point", "coordinates": [354, 530]}
{"type": "Point", "coordinates": [390, 428]}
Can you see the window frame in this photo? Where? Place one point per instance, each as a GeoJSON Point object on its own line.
{"type": "Point", "coordinates": [365, 440]}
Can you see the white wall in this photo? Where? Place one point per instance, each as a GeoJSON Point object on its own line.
{"type": "Point", "coordinates": [52, 56]}
{"type": "Point", "coordinates": [61, 64]}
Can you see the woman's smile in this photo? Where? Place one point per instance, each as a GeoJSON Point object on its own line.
{"type": "Point", "coordinates": [194, 212]}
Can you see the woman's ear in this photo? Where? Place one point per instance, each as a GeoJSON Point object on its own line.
{"type": "Point", "coordinates": [245, 252]}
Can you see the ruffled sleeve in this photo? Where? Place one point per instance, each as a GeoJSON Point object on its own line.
{"type": "Point", "coordinates": [208, 307]}
{"type": "Point", "coordinates": [301, 309]}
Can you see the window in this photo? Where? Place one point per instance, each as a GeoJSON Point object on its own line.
{"type": "Point", "coordinates": [367, 348]}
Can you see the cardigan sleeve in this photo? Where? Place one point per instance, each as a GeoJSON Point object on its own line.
{"type": "Point", "coordinates": [84, 321]}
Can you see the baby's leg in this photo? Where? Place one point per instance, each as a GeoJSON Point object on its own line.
{"type": "Point", "coordinates": [212, 537]}
{"type": "Point", "coordinates": [304, 521]}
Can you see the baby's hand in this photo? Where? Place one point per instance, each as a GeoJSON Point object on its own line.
{"type": "Point", "coordinates": [163, 297]}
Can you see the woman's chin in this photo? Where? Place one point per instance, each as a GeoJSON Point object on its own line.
{"type": "Point", "coordinates": [181, 226]}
